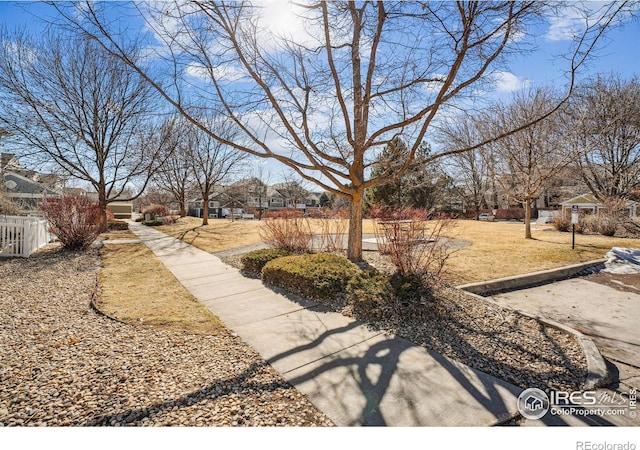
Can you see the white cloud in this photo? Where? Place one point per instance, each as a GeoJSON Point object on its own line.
{"type": "Point", "coordinates": [283, 19]}
{"type": "Point", "coordinates": [572, 19]}
{"type": "Point", "coordinates": [564, 28]}
{"type": "Point", "coordinates": [508, 82]}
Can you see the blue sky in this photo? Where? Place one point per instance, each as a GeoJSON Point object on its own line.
{"type": "Point", "coordinates": [620, 54]}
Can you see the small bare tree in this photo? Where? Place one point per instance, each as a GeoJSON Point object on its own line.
{"type": "Point", "coordinates": [71, 102]}
{"type": "Point", "coordinates": [525, 161]}
{"type": "Point", "coordinates": [605, 118]}
{"type": "Point", "coordinates": [470, 170]}
{"type": "Point", "coordinates": [176, 175]}
{"type": "Point", "coordinates": [212, 161]}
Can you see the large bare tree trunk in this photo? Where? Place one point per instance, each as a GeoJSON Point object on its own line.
{"type": "Point", "coordinates": [527, 218]}
{"type": "Point", "coordinates": [445, 50]}
{"type": "Point", "coordinates": [354, 246]}
{"type": "Point", "coordinates": [102, 201]}
{"type": "Point", "coordinates": [205, 209]}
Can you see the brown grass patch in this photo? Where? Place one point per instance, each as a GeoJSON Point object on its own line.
{"type": "Point", "coordinates": [499, 249]}
{"type": "Point", "coordinates": [137, 288]}
{"type": "Point", "coordinates": [118, 234]}
{"type": "Point", "coordinates": [219, 235]}
{"type": "Point", "coordinates": [224, 234]}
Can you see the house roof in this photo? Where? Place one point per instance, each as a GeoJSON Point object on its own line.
{"type": "Point", "coordinates": [24, 185]}
{"type": "Point", "coordinates": [583, 199]}
{"type": "Point", "coordinates": [589, 200]}
{"type": "Point", "coordinates": [75, 191]}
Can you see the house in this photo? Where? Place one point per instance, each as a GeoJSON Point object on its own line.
{"type": "Point", "coordinates": [24, 193]}
{"type": "Point", "coordinates": [253, 197]}
{"type": "Point", "coordinates": [593, 205]}
{"type": "Point", "coordinates": [10, 163]}
{"type": "Point", "coordinates": [22, 188]}
{"type": "Point", "coordinates": [195, 207]}
{"type": "Point", "coordinates": [291, 195]}
{"type": "Point", "coordinates": [121, 210]}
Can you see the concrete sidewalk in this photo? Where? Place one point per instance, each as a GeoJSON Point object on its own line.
{"type": "Point", "coordinates": [354, 375]}
{"type": "Point", "coordinates": [606, 315]}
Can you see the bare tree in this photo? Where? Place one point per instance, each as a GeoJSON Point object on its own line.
{"type": "Point", "coordinates": [211, 159]}
{"type": "Point", "coordinates": [324, 101]}
{"type": "Point", "coordinates": [72, 102]}
{"type": "Point", "coordinates": [527, 160]}
{"type": "Point", "coordinates": [176, 175]}
{"type": "Point", "coordinates": [250, 192]}
{"type": "Point", "coordinates": [293, 189]}
{"type": "Point", "coordinates": [259, 188]}
{"type": "Point", "coordinates": [605, 116]}
{"type": "Point", "coordinates": [469, 169]}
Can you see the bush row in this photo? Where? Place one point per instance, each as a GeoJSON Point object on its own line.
{"type": "Point", "coordinates": [117, 225]}
{"type": "Point", "coordinates": [596, 224]}
{"type": "Point", "coordinates": [322, 276]}
{"type": "Point", "coordinates": [327, 277]}
{"type": "Point", "coordinates": [254, 261]}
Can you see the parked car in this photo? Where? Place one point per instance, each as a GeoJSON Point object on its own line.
{"type": "Point", "coordinates": [485, 216]}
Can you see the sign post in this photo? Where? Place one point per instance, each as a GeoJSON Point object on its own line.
{"type": "Point", "coordinates": [574, 221]}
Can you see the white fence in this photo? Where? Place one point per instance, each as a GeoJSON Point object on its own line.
{"type": "Point", "coordinates": [21, 236]}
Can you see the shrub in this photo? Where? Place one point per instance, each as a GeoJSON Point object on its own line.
{"type": "Point", "coordinates": [117, 225]}
{"type": "Point", "coordinates": [368, 291]}
{"type": "Point", "coordinates": [8, 207]}
{"type": "Point", "coordinates": [333, 225]}
{"type": "Point", "coordinates": [587, 223]}
{"type": "Point", "coordinates": [376, 297]}
{"type": "Point", "coordinates": [168, 220]}
{"type": "Point", "coordinates": [607, 228]}
{"type": "Point", "coordinates": [562, 224]}
{"type": "Point", "coordinates": [318, 276]}
{"type": "Point", "coordinates": [414, 244]}
{"type": "Point", "coordinates": [156, 210]}
{"type": "Point", "coordinates": [254, 261]}
{"type": "Point", "coordinates": [612, 216]}
{"type": "Point", "coordinates": [289, 231]}
{"type": "Point", "coordinates": [153, 222]}
{"type": "Point", "coordinates": [410, 289]}
{"type": "Point", "coordinates": [75, 220]}
{"type": "Point", "coordinates": [632, 226]}
{"type": "Point", "coordinates": [283, 214]}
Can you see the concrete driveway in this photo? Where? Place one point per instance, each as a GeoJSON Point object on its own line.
{"type": "Point", "coordinates": [602, 306]}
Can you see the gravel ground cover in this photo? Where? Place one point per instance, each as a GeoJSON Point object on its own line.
{"type": "Point", "coordinates": [62, 363]}
{"type": "Point", "coordinates": [480, 334]}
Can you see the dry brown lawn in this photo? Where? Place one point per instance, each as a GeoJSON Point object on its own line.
{"type": "Point", "coordinates": [496, 250]}
{"type": "Point", "coordinates": [135, 287]}
{"type": "Point", "coordinates": [118, 234]}
{"type": "Point", "coordinates": [219, 235]}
